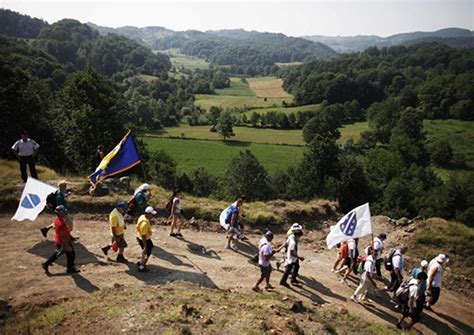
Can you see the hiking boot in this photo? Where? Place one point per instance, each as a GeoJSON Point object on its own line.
{"type": "Point", "coordinates": [121, 259]}
{"type": "Point", "coordinates": [73, 270]}
{"type": "Point", "coordinates": [256, 289]}
{"type": "Point", "coordinates": [44, 231]}
{"type": "Point", "coordinates": [45, 267]}
{"type": "Point", "coordinates": [172, 234]}
{"type": "Point", "coordinates": [269, 287]}
{"type": "Point", "coordinates": [179, 235]}
{"type": "Point", "coordinates": [295, 282]}
{"type": "Point", "coordinates": [285, 284]}
{"type": "Point", "coordinates": [105, 250]}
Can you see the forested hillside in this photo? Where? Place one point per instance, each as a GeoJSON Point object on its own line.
{"type": "Point", "coordinates": [448, 36]}
{"type": "Point", "coordinates": [246, 52]}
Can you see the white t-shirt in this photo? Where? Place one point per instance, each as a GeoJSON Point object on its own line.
{"type": "Point", "coordinates": [439, 274]}
{"type": "Point", "coordinates": [352, 247]}
{"type": "Point", "coordinates": [397, 260]}
{"type": "Point", "coordinates": [264, 251]}
{"type": "Point", "coordinates": [177, 205]}
{"type": "Point", "coordinates": [25, 148]}
{"type": "Point", "coordinates": [378, 247]}
{"type": "Point", "coordinates": [413, 290]}
{"type": "Point", "coordinates": [368, 267]}
{"type": "Point", "coordinates": [292, 246]}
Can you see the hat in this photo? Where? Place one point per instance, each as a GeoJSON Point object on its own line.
{"type": "Point", "coordinates": [150, 210]}
{"type": "Point", "coordinates": [121, 204]}
{"type": "Point", "coordinates": [60, 208]}
{"type": "Point", "coordinates": [296, 227]}
{"type": "Point", "coordinates": [145, 187]}
{"type": "Point", "coordinates": [268, 235]}
{"type": "Point", "coordinates": [383, 236]}
{"type": "Point", "coordinates": [441, 258]}
{"type": "Point", "coordinates": [424, 263]}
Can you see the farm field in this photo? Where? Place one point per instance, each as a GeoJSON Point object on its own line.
{"type": "Point", "coordinates": [182, 61]}
{"type": "Point", "coordinates": [242, 95]}
{"type": "Point", "coordinates": [216, 155]}
{"type": "Point", "coordinates": [286, 110]}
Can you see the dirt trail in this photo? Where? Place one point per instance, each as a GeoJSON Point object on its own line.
{"type": "Point", "coordinates": [199, 258]}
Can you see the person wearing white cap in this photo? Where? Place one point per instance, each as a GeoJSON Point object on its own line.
{"type": "Point", "coordinates": [143, 229]}
{"type": "Point", "coordinates": [139, 201]}
{"type": "Point", "coordinates": [292, 257]}
{"type": "Point", "coordinates": [435, 274]}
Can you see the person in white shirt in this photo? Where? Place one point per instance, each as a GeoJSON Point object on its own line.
{"type": "Point", "coordinates": [292, 257]}
{"type": "Point", "coordinates": [265, 253]}
{"type": "Point", "coordinates": [177, 218]}
{"type": "Point", "coordinates": [396, 275]}
{"type": "Point", "coordinates": [413, 306]}
{"type": "Point", "coordinates": [378, 251]}
{"type": "Point", "coordinates": [351, 262]}
{"type": "Point", "coordinates": [366, 278]}
{"type": "Point", "coordinates": [25, 150]}
{"type": "Point", "coordinates": [435, 276]}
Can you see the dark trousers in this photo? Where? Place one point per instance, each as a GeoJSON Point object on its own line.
{"type": "Point", "coordinates": [435, 292]}
{"type": "Point", "coordinates": [394, 282]}
{"type": "Point", "coordinates": [30, 161]}
{"type": "Point", "coordinates": [378, 264]}
{"type": "Point", "coordinates": [292, 268]}
{"type": "Point", "coordinates": [71, 256]}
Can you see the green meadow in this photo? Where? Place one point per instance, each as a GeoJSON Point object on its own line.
{"type": "Point", "coordinates": [182, 61]}
{"type": "Point", "coordinates": [216, 155]}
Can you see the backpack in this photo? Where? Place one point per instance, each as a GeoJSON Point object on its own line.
{"type": "Point", "coordinates": [169, 205]}
{"type": "Point", "coordinates": [228, 215]}
{"type": "Point", "coordinates": [388, 262]}
{"type": "Point", "coordinates": [360, 267]}
{"type": "Point", "coordinates": [401, 294]}
{"type": "Point", "coordinates": [132, 206]}
{"type": "Point", "coordinates": [51, 201]}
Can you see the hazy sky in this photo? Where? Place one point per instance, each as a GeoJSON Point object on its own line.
{"type": "Point", "coordinates": [293, 18]}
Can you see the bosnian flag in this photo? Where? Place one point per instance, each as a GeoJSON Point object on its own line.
{"type": "Point", "coordinates": [33, 199]}
{"type": "Point", "coordinates": [356, 223]}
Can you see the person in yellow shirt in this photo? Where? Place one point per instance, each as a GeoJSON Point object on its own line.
{"type": "Point", "coordinates": [143, 229]}
{"type": "Point", "coordinates": [117, 230]}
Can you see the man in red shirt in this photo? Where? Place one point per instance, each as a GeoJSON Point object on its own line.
{"type": "Point", "coordinates": [62, 239]}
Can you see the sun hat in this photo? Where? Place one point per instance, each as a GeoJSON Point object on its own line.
{"type": "Point", "coordinates": [424, 263]}
{"type": "Point", "coordinates": [296, 227]}
{"type": "Point", "coordinates": [150, 210]}
{"type": "Point", "coordinates": [441, 258]}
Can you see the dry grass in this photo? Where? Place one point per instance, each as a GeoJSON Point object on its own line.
{"type": "Point", "coordinates": [268, 87]}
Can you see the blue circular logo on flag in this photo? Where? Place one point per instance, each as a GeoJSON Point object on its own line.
{"type": "Point", "coordinates": [350, 223]}
{"type": "Point", "coordinates": [30, 201]}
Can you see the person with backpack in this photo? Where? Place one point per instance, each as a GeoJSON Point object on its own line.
{"type": "Point", "coordinates": [397, 260]}
{"type": "Point", "coordinates": [139, 202]}
{"type": "Point", "coordinates": [63, 242]}
{"type": "Point", "coordinates": [366, 278]}
{"type": "Point", "coordinates": [435, 276]}
{"type": "Point", "coordinates": [292, 258]}
{"type": "Point", "coordinates": [265, 253]}
{"type": "Point", "coordinates": [421, 286]}
{"type": "Point", "coordinates": [56, 199]}
{"type": "Point", "coordinates": [408, 297]}
{"type": "Point", "coordinates": [143, 230]}
{"type": "Point", "coordinates": [378, 246]}
{"type": "Point", "coordinates": [176, 217]}
{"type": "Point", "coordinates": [117, 230]}
{"type": "Point", "coordinates": [232, 214]}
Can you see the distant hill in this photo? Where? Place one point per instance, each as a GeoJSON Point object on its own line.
{"type": "Point", "coordinates": [454, 37]}
{"type": "Point", "coordinates": [229, 47]}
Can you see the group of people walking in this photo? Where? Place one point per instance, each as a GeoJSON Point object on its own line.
{"type": "Point", "coordinates": [421, 289]}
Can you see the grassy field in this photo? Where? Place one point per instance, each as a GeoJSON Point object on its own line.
{"type": "Point", "coordinates": [215, 155]}
{"type": "Point", "coordinates": [269, 87]}
{"type": "Point", "coordinates": [180, 60]}
{"type": "Point", "coordinates": [243, 134]}
{"type": "Point", "coordinates": [286, 110]}
{"type": "Point", "coordinates": [352, 131]}
{"type": "Point", "coordinates": [460, 135]}
{"type": "Point", "coordinates": [288, 64]}
{"type": "Point", "coordinates": [243, 95]}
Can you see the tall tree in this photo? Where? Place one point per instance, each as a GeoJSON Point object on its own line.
{"type": "Point", "coordinates": [225, 125]}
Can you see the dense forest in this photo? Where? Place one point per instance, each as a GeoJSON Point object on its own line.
{"type": "Point", "coordinates": [247, 53]}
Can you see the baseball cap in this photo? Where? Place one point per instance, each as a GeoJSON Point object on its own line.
{"type": "Point", "coordinates": [441, 258]}
{"type": "Point", "coordinates": [121, 204]}
{"type": "Point", "coordinates": [269, 235]}
{"type": "Point", "coordinates": [424, 263]}
{"type": "Point", "coordinates": [150, 210]}
{"type": "Point", "coordinates": [60, 209]}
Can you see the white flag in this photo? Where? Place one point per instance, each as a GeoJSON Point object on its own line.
{"type": "Point", "coordinates": [33, 199]}
{"type": "Point", "coordinates": [354, 224]}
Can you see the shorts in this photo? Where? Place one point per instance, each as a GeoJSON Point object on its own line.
{"type": "Point", "coordinates": [146, 245]}
{"type": "Point", "coordinates": [347, 261]}
{"type": "Point", "coordinates": [178, 215]}
{"type": "Point", "coordinates": [265, 270]}
{"type": "Point", "coordinates": [120, 240]}
{"type": "Point", "coordinates": [235, 232]}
